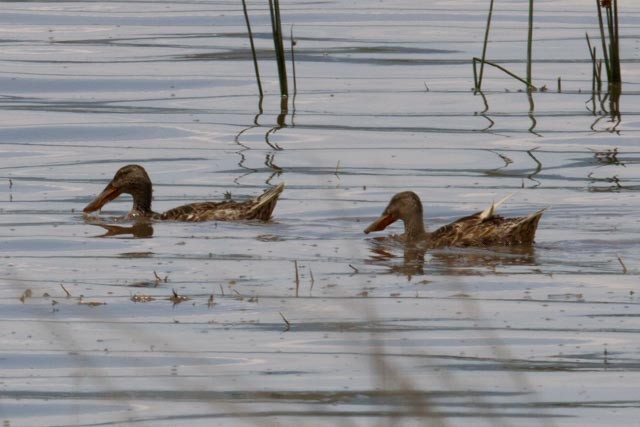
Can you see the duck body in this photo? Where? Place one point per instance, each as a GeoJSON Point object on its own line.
{"type": "Point", "coordinates": [478, 230]}
{"type": "Point", "coordinates": [134, 180]}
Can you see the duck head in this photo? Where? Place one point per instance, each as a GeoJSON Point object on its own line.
{"type": "Point", "coordinates": [405, 206]}
{"type": "Point", "coordinates": [130, 179]}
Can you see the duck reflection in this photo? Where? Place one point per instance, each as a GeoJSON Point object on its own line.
{"type": "Point", "coordinates": [137, 230]}
{"type": "Point", "coordinates": [411, 260]}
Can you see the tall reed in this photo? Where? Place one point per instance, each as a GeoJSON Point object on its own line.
{"type": "Point", "coordinates": [529, 44]}
{"type": "Point", "coordinates": [477, 77]}
{"type": "Point", "coordinates": [484, 46]}
{"type": "Point", "coordinates": [610, 47]}
{"type": "Point", "coordinates": [276, 26]}
{"type": "Point", "coordinates": [253, 48]}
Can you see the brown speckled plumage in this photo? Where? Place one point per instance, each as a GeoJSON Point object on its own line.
{"type": "Point", "coordinates": [133, 179]}
{"type": "Point", "coordinates": [480, 229]}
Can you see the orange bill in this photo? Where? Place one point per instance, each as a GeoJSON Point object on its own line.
{"type": "Point", "coordinates": [108, 194]}
{"type": "Point", "coordinates": [381, 223]}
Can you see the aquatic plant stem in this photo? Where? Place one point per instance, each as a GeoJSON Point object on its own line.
{"type": "Point", "coordinates": [276, 26]}
{"type": "Point", "coordinates": [616, 45]}
{"type": "Point", "coordinates": [484, 47]}
{"type": "Point", "coordinates": [605, 53]}
{"type": "Point", "coordinates": [529, 43]}
{"type": "Point", "coordinates": [501, 68]}
{"type": "Point", "coordinates": [253, 49]}
{"type": "Point", "coordinates": [293, 63]}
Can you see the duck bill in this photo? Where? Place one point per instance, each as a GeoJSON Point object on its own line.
{"type": "Point", "coordinates": [381, 223]}
{"type": "Point", "coordinates": [108, 194]}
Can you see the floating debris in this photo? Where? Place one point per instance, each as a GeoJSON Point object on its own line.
{"type": "Point", "coordinates": [624, 267]}
{"type": "Point", "coordinates": [91, 303]}
{"type": "Point", "coordinates": [65, 290]}
{"type": "Point", "coordinates": [566, 297]}
{"type": "Point", "coordinates": [142, 298]}
{"type": "Point", "coordinates": [26, 294]}
{"type": "Point", "coordinates": [286, 322]}
{"type": "Point", "coordinates": [177, 299]}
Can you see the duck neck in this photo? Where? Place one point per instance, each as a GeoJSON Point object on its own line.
{"type": "Point", "coordinates": [414, 228]}
{"type": "Point", "coordinates": [142, 202]}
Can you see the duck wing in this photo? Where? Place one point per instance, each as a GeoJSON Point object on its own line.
{"type": "Point", "coordinates": [481, 230]}
{"type": "Point", "coordinates": [259, 208]}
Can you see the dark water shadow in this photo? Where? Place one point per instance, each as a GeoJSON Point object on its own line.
{"type": "Point", "coordinates": [415, 260]}
{"type": "Point", "coordinates": [137, 230]}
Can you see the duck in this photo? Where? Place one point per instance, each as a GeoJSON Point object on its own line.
{"type": "Point", "coordinates": [134, 180]}
{"type": "Point", "coordinates": [481, 229]}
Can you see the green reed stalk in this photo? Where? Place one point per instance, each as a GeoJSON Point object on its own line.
{"type": "Point", "coordinates": [529, 43]}
{"type": "Point", "coordinates": [253, 48]}
{"type": "Point", "coordinates": [484, 47]}
{"type": "Point", "coordinates": [596, 68]}
{"type": "Point", "coordinates": [276, 25]}
{"type": "Point", "coordinates": [293, 63]}
{"type": "Point", "coordinates": [615, 44]}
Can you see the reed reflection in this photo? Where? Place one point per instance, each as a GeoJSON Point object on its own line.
{"type": "Point", "coordinates": [137, 230]}
{"type": "Point", "coordinates": [416, 260]}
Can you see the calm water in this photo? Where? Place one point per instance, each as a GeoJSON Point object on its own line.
{"type": "Point", "coordinates": [384, 104]}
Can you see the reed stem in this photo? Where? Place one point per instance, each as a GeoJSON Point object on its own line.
{"type": "Point", "coordinates": [484, 47]}
{"type": "Point", "coordinates": [529, 43]}
{"type": "Point", "coordinates": [515, 76]}
{"type": "Point", "coordinates": [253, 49]}
{"type": "Point", "coordinates": [276, 26]}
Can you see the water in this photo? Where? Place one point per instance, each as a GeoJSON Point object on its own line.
{"type": "Point", "coordinates": [383, 104]}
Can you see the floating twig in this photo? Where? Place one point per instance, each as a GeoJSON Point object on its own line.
{"type": "Point", "coordinates": [337, 167]}
{"type": "Point", "coordinates": [26, 294]}
{"type": "Point", "coordinates": [354, 269]}
{"type": "Point", "coordinates": [221, 289]}
{"type": "Point", "coordinates": [288, 325]}
{"type": "Point", "coordinates": [92, 303]}
{"type": "Point", "coordinates": [65, 290]}
{"type": "Point", "coordinates": [312, 280]}
{"type": "Point", "coordinates": [624, 267]}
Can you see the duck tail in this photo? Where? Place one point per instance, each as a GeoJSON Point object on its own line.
{"type": "Point", "coordinates": [524, 230]}
{"type": "Point", "coordinates": [490, 211]}
{"type": "Point", "coordinates": [265, 203]}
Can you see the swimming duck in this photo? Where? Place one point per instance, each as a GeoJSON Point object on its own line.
{"type": "Point", "coordinates": [480, 229]}
{"type": "Point", "coordinates": [133, 179]}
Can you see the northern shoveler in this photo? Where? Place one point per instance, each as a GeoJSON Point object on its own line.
{"type": "Point", "coordinates": [480, 229]}
{"type": "Point", "coordinates": [133, 179]}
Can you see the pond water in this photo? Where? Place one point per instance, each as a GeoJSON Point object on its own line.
{"type": "Point", "coordinates": [369, 335]}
